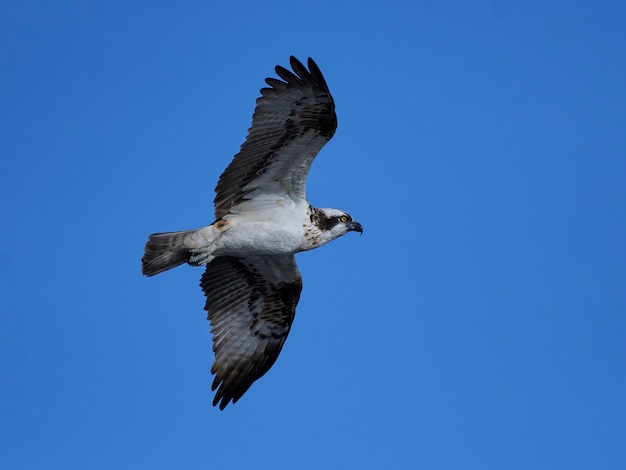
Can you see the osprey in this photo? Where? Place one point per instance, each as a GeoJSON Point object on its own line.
{"type": "Point", "coordinates": [262, 218]}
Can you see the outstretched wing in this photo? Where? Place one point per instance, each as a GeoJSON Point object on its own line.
{"type": "Point", "coordinates": [291, 123]}
{"type": "Point", "coordinates": [251, 304]}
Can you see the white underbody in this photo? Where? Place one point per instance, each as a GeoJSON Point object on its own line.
{"type": "Point", "coordinates": [263, 225]}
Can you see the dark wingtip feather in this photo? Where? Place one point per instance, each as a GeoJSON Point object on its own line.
{"type": "Point", "coordinates": [288, 76]}
{"type": "Point", "coordinates": [316, 74]}
{"type": "Point", "coordinates": [299, 76]}
{"type": "Point", "coordinates": [299, 68]}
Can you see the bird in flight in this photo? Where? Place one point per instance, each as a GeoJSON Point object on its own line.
{"type": "Point", "coordinates": [262, 218]}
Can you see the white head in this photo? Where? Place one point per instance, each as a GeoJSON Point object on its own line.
{"type": "Point", "coordinates": [333, 223]}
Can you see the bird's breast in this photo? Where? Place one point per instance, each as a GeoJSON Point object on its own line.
{"type": "Point", "coordinates": [260, 237]}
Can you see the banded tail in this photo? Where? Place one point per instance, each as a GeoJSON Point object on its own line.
{"type": "Point", "coordinates": [165, 251]}
{"type": "Point", "coordinates": [170, 249]}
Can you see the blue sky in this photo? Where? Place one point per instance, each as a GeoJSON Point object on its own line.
{"type": "Point", "coordinates": [478, 323]}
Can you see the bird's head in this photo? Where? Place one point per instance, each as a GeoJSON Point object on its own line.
{"type": "Point", "coordinates": [335, 222]}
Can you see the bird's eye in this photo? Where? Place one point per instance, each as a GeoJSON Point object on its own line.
{"type": "Point", "coordinates": [343, 219]}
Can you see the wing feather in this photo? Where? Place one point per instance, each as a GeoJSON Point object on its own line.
{"type": "Point", "coordinates": [251, 304]}
{"type": "Point", "coordinates": [292, 121]}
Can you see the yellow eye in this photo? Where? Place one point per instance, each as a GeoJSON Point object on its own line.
{"type": "Point", "coordinates": [343, 219]}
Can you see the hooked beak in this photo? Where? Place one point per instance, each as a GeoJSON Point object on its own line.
{"type": "Point", "coordinates": [355, 227]}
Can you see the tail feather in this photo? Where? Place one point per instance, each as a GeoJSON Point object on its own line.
{"type": "Point", "coordinates": [164, 251]}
